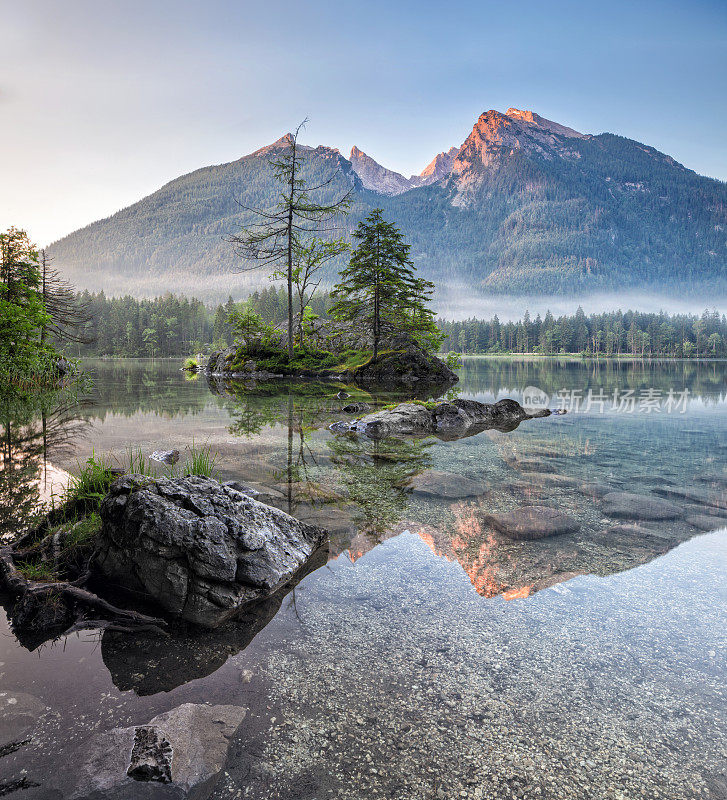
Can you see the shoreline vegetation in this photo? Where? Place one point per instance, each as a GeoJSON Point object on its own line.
{"type": "Point", "coordinates": [177, 326]}
{"type": "Point", "coordinates": [39, 313]}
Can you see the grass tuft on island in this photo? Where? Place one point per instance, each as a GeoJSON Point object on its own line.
{"type": "Point", "coordinates": [305, 361]}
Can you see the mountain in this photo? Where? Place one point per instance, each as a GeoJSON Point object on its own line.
{"type": "Point", "coordinates": [525, 205]}
{"type": "Point", "coordinates": [439, 167]}
{"type": "Point", "coordinates": [375, 177]}
{"type": "Point", "coordinates": [176, 239]}
{"type": "Point", "coordinates": [385, 181]}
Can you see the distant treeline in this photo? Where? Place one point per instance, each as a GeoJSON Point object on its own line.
{"type": "Point", "coordinates": [178, 326]}
{"type": "Point", "coordinates": [613, 334]}
{"type": "Point", "coordinates": [170, 325]}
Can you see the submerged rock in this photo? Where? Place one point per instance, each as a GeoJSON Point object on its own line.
{"type": "Point", "coordinates": [627, 505]}
{"type": "Point", "coordinates": [596, 490]}
{"type": "Point", "coordinates": [549, 479]}
{"type": "Point", "coordinates": [694, 495]}
{"type": "Point", "coordinates": [624, 530]}
{"type": "Point", "coordinates": [706, 522]}
{"type": "Point", "coordinates": [446, 484]}
{"type": "Point", "coordinates": [532, 522]}
{"type": "Point", "coordinates": [447, 419]}
{"type": "Point", "coordinates": [200, 549]}
{"type": "Point", "coordinates": [176, 755]}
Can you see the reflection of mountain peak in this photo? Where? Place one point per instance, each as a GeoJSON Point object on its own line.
{"type": "Point", "coordinates": [497, 566]}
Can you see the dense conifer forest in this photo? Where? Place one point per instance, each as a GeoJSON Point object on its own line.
{"type": "Point", "coordinates": [616, 333]}
{"type": "Point", "coordinates": [178, 326]}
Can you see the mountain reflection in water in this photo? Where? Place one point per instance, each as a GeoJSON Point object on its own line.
{"type": "Point", "coordinates": [275, 437]}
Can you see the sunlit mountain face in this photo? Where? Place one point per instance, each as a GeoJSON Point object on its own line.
{"type": "Point", "coordinates": [524, 205]}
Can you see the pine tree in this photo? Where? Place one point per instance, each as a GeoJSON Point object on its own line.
{"type": "Point", "coordinates": [379, 289]}
{"type": "Point", "coordinates": [67, 314]}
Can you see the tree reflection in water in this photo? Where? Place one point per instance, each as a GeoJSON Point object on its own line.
{"type": "Point", "coordinates": [35, 427]}
{"type": "Point", "coordinates": [376, 475]}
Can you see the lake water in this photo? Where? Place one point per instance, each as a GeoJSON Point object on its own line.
{"type": "Point", "coordinates": [430, 657]}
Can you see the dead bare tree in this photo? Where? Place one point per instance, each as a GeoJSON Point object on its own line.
{"type": "Point", "coordinates": [277, 235]}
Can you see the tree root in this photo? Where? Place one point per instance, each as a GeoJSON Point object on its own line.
{"type": "Point", "coordinates": [63, 604]}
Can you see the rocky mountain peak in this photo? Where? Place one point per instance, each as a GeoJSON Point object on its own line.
{"type": "Point", "coordinates": [375, 177]}
{"type": "Point", "coordinates": [439, 167]}
{"type": "Point", "coordinates": [283, 143]}
{"type": "Point", "coordinates": [535, 119]}
{"type": "Point", "coordinates": [496, 137]}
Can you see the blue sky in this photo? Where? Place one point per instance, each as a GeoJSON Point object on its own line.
{"type": "Point", "coordinates": [101, 102]}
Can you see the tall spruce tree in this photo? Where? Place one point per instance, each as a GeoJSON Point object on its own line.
{"type": "Point", "coordinates": [379, 289]}
{"type": "Point", "coordinates": [276, 239]}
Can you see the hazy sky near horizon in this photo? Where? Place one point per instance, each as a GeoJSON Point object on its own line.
{"type": "Point", "coordinates": [103, 102]}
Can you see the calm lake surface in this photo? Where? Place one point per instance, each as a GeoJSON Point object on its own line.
{"type": "Point", "coordinates": [430, 657]}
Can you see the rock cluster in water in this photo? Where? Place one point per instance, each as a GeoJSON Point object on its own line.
{"type": "Point", "coordinates": [447, 419]}
{"type": "Point", "coordinates": [198, 548]}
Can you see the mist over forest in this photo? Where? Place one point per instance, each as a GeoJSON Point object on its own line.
{"type": "Point", "coordinates": [460, 302]}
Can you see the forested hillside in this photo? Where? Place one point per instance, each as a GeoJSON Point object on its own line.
{"type": "Point", "coordinates": [528, 207]}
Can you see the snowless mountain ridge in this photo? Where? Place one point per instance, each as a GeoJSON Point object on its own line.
{"type": "Point", "coordinates": [516, 128]}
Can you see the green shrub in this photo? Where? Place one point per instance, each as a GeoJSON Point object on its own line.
{"type": "Point", "coordinates": [453, 360]}
{"type": "Point", "coordinates": [93, 481]}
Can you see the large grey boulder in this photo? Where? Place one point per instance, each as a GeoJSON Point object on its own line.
{"type": "Point", "coordinates": [200, 549]}
{"type": "Point", "coordinates": [447, 419]}
{"type": "Point", "coordinates": [175, 756]}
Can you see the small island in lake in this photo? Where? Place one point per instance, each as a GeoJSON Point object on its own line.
{"type": "Point", "coordinates": [380, 328]}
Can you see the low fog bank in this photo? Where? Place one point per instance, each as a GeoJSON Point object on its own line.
{"type": "Point", "coordinates": [452, 302]}
{"type": "Point", "coordinates": [460, 303]}
{"type": "Point", "coordinates": [210, 289]}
